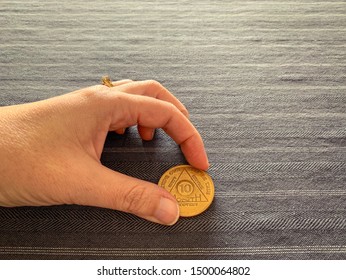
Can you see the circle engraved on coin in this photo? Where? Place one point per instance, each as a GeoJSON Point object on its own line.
{"type": "Point", "coordinates": [192, 188]}
{"type": "Point", "coordinates": [185, 187]}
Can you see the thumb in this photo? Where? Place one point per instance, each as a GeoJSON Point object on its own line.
{"type": "Point", "coordinates": [110, 189]}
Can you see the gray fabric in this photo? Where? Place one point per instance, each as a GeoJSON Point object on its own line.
{"type": "Point", "coordinates": [264, 82]}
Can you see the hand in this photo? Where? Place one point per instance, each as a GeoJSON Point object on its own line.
{"type": "Point", "coordinates": [50, 150]}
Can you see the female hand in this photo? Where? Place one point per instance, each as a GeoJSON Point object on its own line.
{"type": "Point", "coordinates": [50, 150]}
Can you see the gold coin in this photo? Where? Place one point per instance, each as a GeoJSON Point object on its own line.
{"type": "Point", "coordinates": [192, 188]}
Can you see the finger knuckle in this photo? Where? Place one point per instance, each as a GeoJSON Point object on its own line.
{"type": "Point", "coordinates": [137, 200]}
{"type": "Point", "coordinates": [172, 108]}
{"type": "Point", "coordinates": [154, 84]}
{"type": "Point", "coordinates": [94, 93]}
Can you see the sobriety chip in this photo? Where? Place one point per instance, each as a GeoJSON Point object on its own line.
{"type": "Point", "coordinates": [192, 188]}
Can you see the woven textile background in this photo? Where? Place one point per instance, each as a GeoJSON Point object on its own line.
{"type": "Point", "coordinates": [265, 84]}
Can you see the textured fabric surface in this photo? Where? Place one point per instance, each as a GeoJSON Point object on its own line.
{"type": "Point", "coordinates": [264, 82]}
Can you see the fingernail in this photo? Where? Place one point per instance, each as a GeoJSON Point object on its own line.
{"type": "Point", "coordinates": [208, 165]}
{"type": "Point", "coordinates": [168, 211]}
{"type": "Point", "coordinates": [153, 134]}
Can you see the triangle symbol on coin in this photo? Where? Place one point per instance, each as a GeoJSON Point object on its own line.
{"type": "Point", "coordinates": [186, 188]}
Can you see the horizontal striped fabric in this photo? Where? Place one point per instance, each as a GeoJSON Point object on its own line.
{"type": "Point", "coordinates": [265, 84]}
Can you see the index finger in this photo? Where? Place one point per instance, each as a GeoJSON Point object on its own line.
{"type": "Point", "coordinates": [152, 88]}
{"type": "Point", "coordinates": [154, 113]}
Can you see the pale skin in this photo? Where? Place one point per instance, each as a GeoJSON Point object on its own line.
{"type": "Point", "coordinates": [50, 150]}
